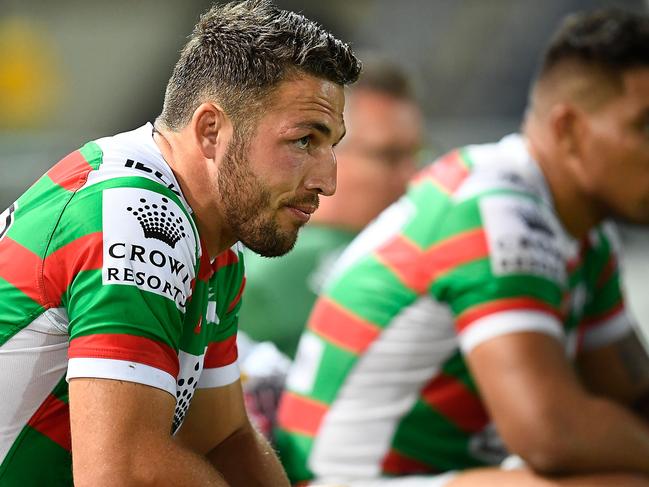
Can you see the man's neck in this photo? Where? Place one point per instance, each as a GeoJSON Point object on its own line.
{"type": "Point", "coordinates": [576, 210]}
{"type": "Point", "coordinates": [194, 183]}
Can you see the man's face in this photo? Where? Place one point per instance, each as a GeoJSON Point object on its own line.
{"type": "Point", "coordinates": [378, 156]}
{"type": "Point", "coordinates": [615, 151]}
{"type": "Point", "coordinates": [269, 184]}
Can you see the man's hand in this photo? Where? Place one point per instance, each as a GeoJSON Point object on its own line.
{"type": "Point", "coordinates": [217, 426]}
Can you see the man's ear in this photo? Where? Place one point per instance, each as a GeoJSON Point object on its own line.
{"type": "Point", "coordinates": [212, 129]}
{"type": "Point", "coordinates": [565, 125]}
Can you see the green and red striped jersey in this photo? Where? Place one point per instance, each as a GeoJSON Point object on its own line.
{"type": "Point", "coordinates": [473, 251]}
{"type": "Point", "coordinates": [103, 275]}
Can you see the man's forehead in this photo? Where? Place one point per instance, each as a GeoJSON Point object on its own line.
{"type": "Point", "coordinates": [309, 93]}
{"type": "Point", "coordinates": [309, 102]}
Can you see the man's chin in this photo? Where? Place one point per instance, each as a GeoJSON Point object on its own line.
{"type": "Point", "coordinates": [275, 247]}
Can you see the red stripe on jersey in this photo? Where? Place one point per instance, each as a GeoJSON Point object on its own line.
{"type": "Point", "coordinates": [220, 354]}
{"type": "Point", "coordinates": [52, 419]}
{"type": "Point", "coordinates": [64, 264]}
{"type": "Point", "coordinates": [478, 311]}
{"type": "Point", "coordinates": [456, 402]}
{"type": "Point", "coordinates": [607, 272]}
{"type": "Point", "coordinates": [237, 298]}
{"type": "Point", "coordinates": [21, 268]}
{"type": "Point", "coordinates": [418, 269]}
{"type": "Point", "coordinates": [403, 258]}
{"type": "Point", "coordinates": [120, 346]}
{"type": "Point", "coordinates": [341, 327]}
{"type": "Point", "coordinates": [300, 414]}
{"type": "Point", "coordinates": [457, 250]}
{"type": "Point", "coordinates": [395, 463]}
{"type": "Point", "coordinates": [70, 172]}
{"type": "Point", "coordinates": [226, 257]}
{"type": "Point", "coordinates": [447, 173]}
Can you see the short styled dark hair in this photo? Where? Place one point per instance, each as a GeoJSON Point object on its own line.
{"type": "Point", "coordinates": [239, 52]}
{"type": "Point", "coordinates": [610, 39]}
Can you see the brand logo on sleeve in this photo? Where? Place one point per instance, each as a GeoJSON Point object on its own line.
{"type": "Point", "coordinates": [7, 219]}
{"type": "Point", "coordinates": [130, 163]}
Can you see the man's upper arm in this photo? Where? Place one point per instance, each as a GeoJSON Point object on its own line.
{"type": "Point", "coordinates": [115, 427]}
{"type": "Point", "coordinates": [525, 381]}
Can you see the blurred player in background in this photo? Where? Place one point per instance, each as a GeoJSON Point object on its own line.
{"type": "Point", "coordinates": [481, 316]}
{"type": "Point", "coordinates": [376, 159]}
{"type": "Point", "coordinates": [121, 272]}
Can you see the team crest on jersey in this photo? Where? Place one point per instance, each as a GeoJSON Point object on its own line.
{"type": "Point", "coordinates": [148, 243]}
{"type": "Point", "coordinates": [524, 237]}
{"type": "Point", "coordinates": [7, 219]}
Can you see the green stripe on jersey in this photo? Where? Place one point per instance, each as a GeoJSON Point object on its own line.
{"type": "Point", "coordinates": [373, 291]}
{"type": "Point", "coordinates": [464, 287]}
{"type": "Point", "coordinates": [330, 378]}
{"type": "Point", "coordinates": [35, 460]}
{"type": "Point", "coordinates": [93, 154]}
{"type": "Point", "coordinates": [150, 316]}
{"type": "Point", "coordinates": [37, 214]}
{"type": "Point", "coordinates": [297, 448]}
{"type": "Point", "coordinates": [17, 310]}
{"type": "Point", "coordinates": [427, 436]}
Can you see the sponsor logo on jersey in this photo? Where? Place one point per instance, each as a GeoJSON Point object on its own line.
{"type": "Point", "coordinates": [130, 163]}
{"type": "Point", "coordinates": [158, 220]}
{"type": "Point", "coordinates": [535, 222]}
{"type": "Point", "coordinates": [7, 219]}
{"type": "Point", "coordinates": [147, 244]}
{"type": "Point", "coordinates": [136, 253]}
{"type": "Point", "coordinates": [524, 237]}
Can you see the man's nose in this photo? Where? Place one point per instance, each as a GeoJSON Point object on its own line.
{"type": "Point", "coordinates": [322, 175]}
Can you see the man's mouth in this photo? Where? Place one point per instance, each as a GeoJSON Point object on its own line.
{"type": "Point", "coordinates": [302, 210]}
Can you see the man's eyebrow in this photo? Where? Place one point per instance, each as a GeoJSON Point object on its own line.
{"type": "Point", "coordinates": [317, 126]}
{"type": "Point", "coordinates": [322, 128]}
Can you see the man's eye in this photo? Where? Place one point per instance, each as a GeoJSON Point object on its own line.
{"type": "Point", "coordinates": [303, 142]}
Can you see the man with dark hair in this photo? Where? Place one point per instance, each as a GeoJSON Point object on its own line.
{"type": "Point", "coordinates": [121, 272]}
{"type": "Point", "coordinates": [481, 316]}
{"type": "Point", "coordinates": [375, 161]}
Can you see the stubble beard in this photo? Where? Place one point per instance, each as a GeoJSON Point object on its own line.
{"type": "Point", "coordinates": [247, 205]}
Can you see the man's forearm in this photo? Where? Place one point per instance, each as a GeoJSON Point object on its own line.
{"type": "Point", "coordinates": [164, 465]}
{"type": "Point", "coordinates": [246, 459]}
{"type": "Point", "coordinates": [600, 435]}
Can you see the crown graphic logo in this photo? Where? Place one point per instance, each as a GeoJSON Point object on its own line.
{"type": "Point", "coordinates": [158, 222]}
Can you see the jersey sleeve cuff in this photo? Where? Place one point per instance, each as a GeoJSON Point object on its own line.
{"type": "Point", "coordinates": [607, 331]}
{"type": "Point", "coordinates": [126, 370]}
{"type": "Point", "coordinates": [506, 322]}
{"type": "Point", "coordinates": [219, 376]}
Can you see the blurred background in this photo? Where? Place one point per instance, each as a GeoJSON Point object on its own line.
{"type": "Point", "coordinates": [74, 70]}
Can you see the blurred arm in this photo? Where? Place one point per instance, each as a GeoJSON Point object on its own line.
{"type": "Point", "coordinates": [121, 436]}
{"type": "Point", "coordinates": [619, 371]}
{"type": "Point", "coordinates": [545, 415]}
{"type": "Point", "coordinates": [217, 426]}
